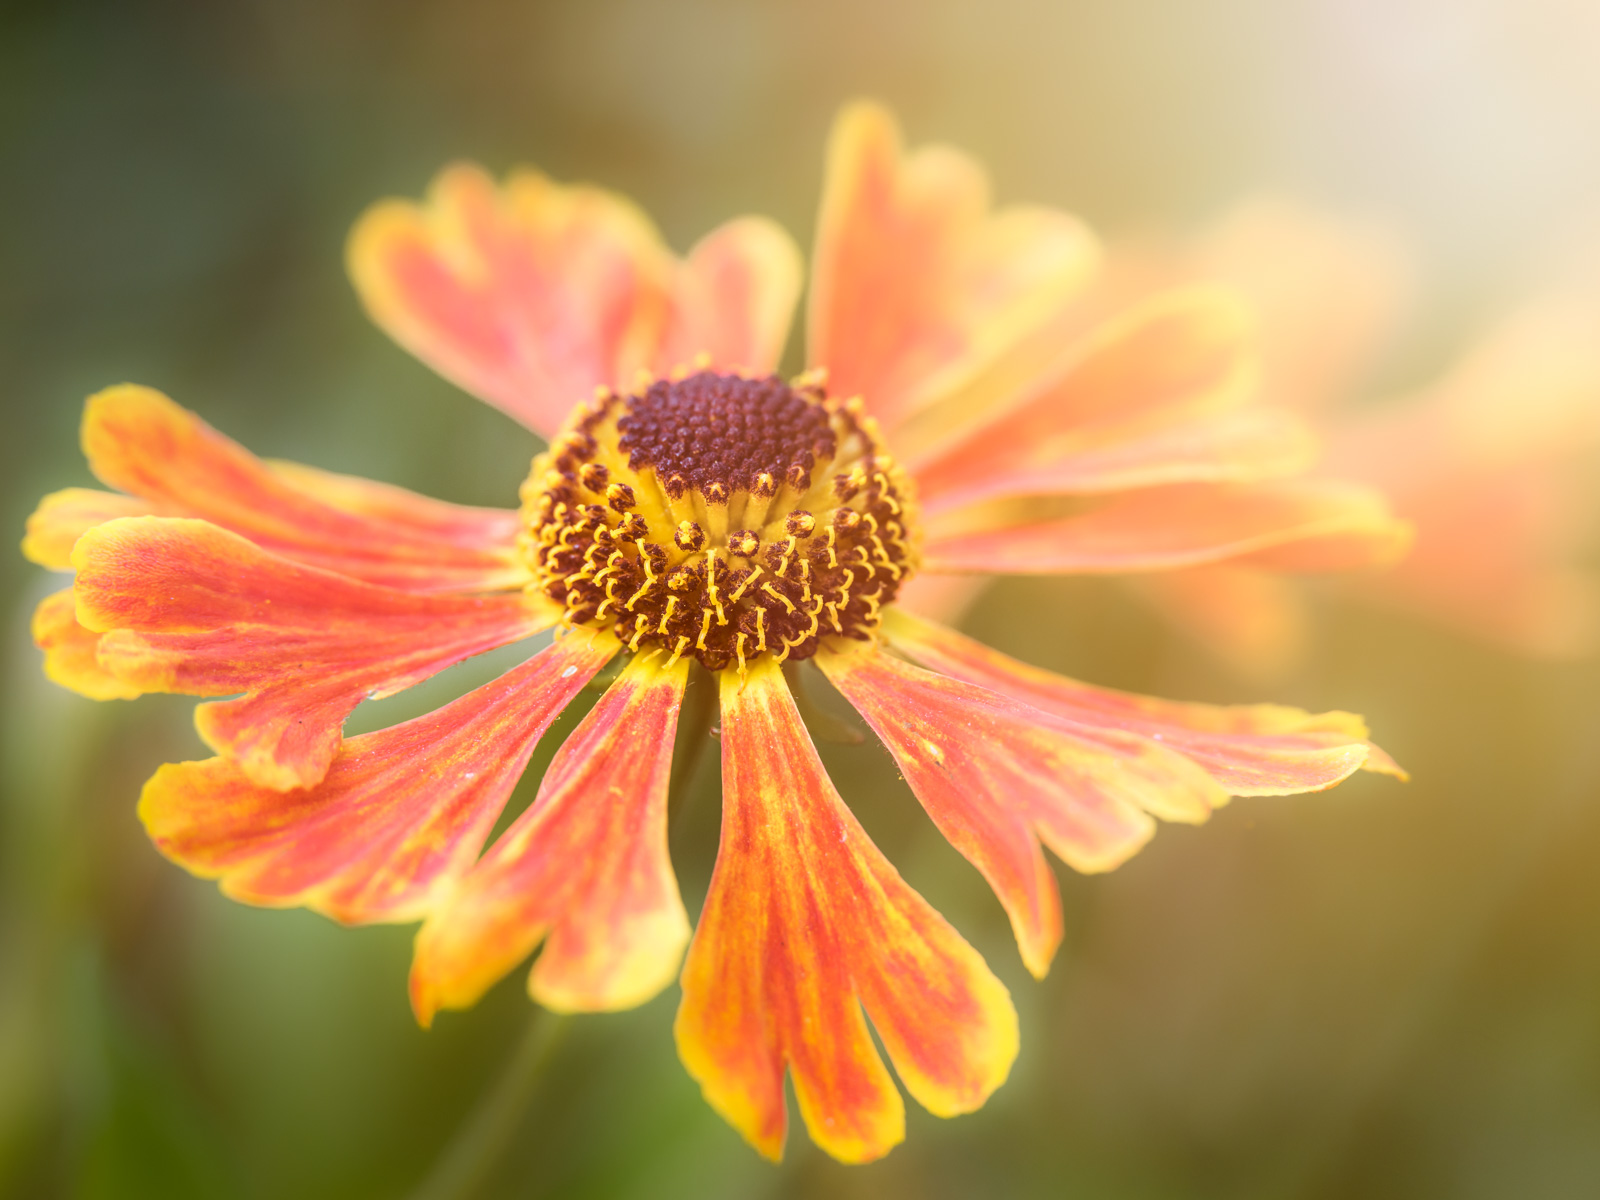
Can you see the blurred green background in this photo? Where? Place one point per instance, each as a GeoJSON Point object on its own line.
{"type": "Point", "coordinates": [1381, 991]}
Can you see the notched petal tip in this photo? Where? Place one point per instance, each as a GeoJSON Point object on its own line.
{"type": "Point", "coordinates": [188, 607]}
{"type": "Point", "coordinates": [71, 652]}
{"type": "Point", "coordinates": [733, 298]}
{"type": "Point", "coordinates": [916, 285]}
{"type": "Point", "coordinates": [62, 517]}
{"type": "Point", "coordinates": [1000, 777]}
{"type": "Point", "coordinates": [399, 815]}
{"type": "Point", "coordinates": [808, 931]}
{"type": "Point", "coordinates": [141, 442]}
{"type": "Point", "coordinates": [1248, 749]}
{"type": "Point", "coordinates": [526, 294]}
{"type": "Point", "coordinates": [585, 870]}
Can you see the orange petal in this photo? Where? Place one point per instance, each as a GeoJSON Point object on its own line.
{"type": "Point", "coordinates": [69, 651]}
{"type": "Point", "coordinates": [1243, 446]}
{"type": "Point", "coordinates": [733, 298]}
{"type": "Point", "coordinates": [1152, 398]}
{"type": "Point", "coordinates": [1250, 749]}
{"type": "Point", "coordinates": [62, 516]}
{"type": "Point", "coordinates": [527, 295]}
{"type": "Point", "coordinates": [916, 284]}
{"type": "Point", "coordinates": [139, 441]}
{"type": "Point", "coordinates": [1300, 525]}
{"type": "Point", "coordinates": [399, 815]}
{"type": "Point", "coordinates": [997, 776]}
{"type": "Point", "coordinates": [585, 870]}
{"type": "Point", "coordinates": [188, 607]}
{"type": "Point", "coordinates": [1185, 352]}
{"type": "Point", "coordinates": [462, 524]}
{"type": "Point", "coordinates": [805, 925]}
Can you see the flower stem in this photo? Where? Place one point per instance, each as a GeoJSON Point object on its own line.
{"type": "Point", "coordinates": [465, 1163]}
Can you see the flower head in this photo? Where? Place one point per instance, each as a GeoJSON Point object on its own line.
{"type": "Point", "coordinates": [696, 513]}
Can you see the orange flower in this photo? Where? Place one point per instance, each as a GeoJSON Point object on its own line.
{"type": "Point", "coordinates": [710, 519]}
{"type": "Point", "coordinates": [1492, 463]}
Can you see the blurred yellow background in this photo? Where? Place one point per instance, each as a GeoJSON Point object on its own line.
{"type": "Point", "coordinates": [1381, 991]}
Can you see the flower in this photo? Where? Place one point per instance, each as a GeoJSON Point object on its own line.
{"type": "Point", "coordinates": [708, 516]}
{"type": "Point", "coordinates": [1491, 462]}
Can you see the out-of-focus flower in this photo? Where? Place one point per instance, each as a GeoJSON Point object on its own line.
{"type": "Point", "coordinates": [709, 517]}
{"type": "Point", "coordinates": [1493, 463]}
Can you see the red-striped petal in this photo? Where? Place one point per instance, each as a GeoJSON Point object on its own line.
{"type": "Point", "coordinates": [1151, 398]}
{"type": "Point", "coordinates": [733, 298]}
{"type": "Point", "coordinates": [70, 651]}
{"type": "Point", "coordinates": [806, 925]}
{"type": "Point", "coordinates": [399, 815]}
{"type": "Point", "coordinates": [998, 776]}
{"type": "Point", "coordinates": [139, 441]}
{"type": "Point", "coordinates": [1250, 749]}
{"type": "Point", "coordinates": [527, 295]}
{"type": "Point", "coordinates": [464, 525]}
{"type": "Point", "coordinates": [1300, 525]}
{"type": "Point", "coordinates": [916, 285]}
{"type": "Point", "coordinates": [585, 870]}
{"type": "Point", "coordinates": [188, 607]}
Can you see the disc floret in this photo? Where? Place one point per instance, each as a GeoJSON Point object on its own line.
{"type": "Point", "coordinates": [721, 517]}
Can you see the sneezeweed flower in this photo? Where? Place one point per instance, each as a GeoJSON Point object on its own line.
{"type": "Point", "coordinates": [1492, 462]}
{"type": "Point", "coordinates": [695, 512]}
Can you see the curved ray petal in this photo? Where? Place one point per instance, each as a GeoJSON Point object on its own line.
{"type": "Point", "coordinates": [1181, 354]}
{"type": "Point", "coordinates": [1250, 749]}
{"type": "Point", "coordinates": [464, 525]}
{"type": "Point", "coordinates": [70, 651]}
{"type": "Point", "coordinates": [916, 284]}
{"type": "Point", "coordinates": [139, 441]}
{"type": "Point", "coordinates": [1298, 525]}
{"type": "Point", "coordinates": [733, 298]}
{"type": "Point", "coordinates": [528, 295]}
{"type": "Point", "coordinates": [998, 776]}
{"type": "Point", "coordinates": [59, 521]}
{"type": "Point", "coordinates": [188, 607]}
{"type": "Point", "coordinates": [806, 925]}
{"type": "Point", "coordinates": [400, 813]}
{"type": "Point", "coordinates": [585, 870]}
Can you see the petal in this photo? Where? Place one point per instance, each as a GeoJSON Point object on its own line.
{"type": "Point", "coordinates": [527, 295]}
{"type": "Point", "coordinates": [188, 607]}
{"type": "Point", "coordinates": [917, 285]}
{"type": "Point", "coordinates": [1186, 352]}
{"type": "Point", "coordinates": [806, 924]}
{"type": "Point", "coordinates": [62, 516]}
{"type": "Point", "coordinates": [1250, 749]}
{"type": "Point", "coordinates": [461, 524]}
{"type": "Point", "coordinates": [399, 815]}
{"type": "Point", "coordinates": [69, 651]}
{"type": "Point", "coordinates": [584, 869]}
{"type": "Point", "coordinates": [139, 441]}
{"type": "Point", "coordinates": [1300, 525]}
{"type": "Point", "coordinates": [1236, 447]}
{"type": "Point", "coordinates": [997, 776]}
{"type": "Point", "coordinates": [1153, 398]}
{"type": "Point", "coordinates": [733, 298]}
